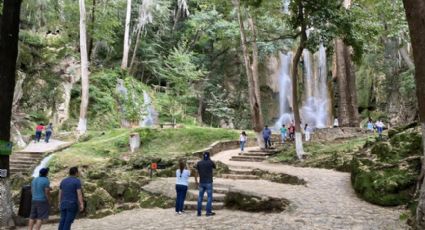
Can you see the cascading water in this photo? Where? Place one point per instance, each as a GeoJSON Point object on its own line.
{"type": "Point", "coordinates": [286, 6]}
{"type": "Point", "coordinates": [149, 119]}
{"type": "Point", "coordinates": [315, 107]}
{"type": "Point", "coordinates": [43, 164]}
{"type": "Point", "coordinates": [122, 90]}
{"type": "Point", "coordinates": [285, 90]}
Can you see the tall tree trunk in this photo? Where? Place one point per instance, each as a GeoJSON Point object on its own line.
{"type": "Point", "coordinates": [345, 75]}
{"type": "Point", "coordinates": [8, 55]}
{"type": "Point", "coordinates": [303, 39]}
{"type": "Point", "coordinates": [82, 123]}
{"type": "Point", "coordinates": [92, 21]}
{"type": "Point", "coordinates": [136, 46]}
{"type": "Point", "coordinates": [252, 75]}
{"type": "Point", "coordinates": [415, 14]}
{"type": "Point", "coordinates": [124, 63]}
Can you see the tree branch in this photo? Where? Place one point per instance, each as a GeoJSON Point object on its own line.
{"type": "Point", "coordinates": [283, 37]}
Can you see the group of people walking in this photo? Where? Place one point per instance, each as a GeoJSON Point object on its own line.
{"type": "Point", "coordinates": [39, 131]}
{"type": "Point", "coordinates": [378, 126]}
{"type": "Point", "coordinates": [204, 169]}
{"type": "Point", "coordinates": [70, 199]}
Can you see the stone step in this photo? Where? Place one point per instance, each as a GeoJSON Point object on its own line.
{"type": "Point", "coordinates": [248, 158]}
{"type": "Point", "coordinates": [33, 156]}
{"type": "Point", "coordinates": [220, 190]}
{"type": "Point", "coordinates": [240, 171]}
{"type": "Point", "coordinates": [240, 177]}
{"type": "Point", "coordinates": [24, 164]}
{"type": "Point", "coordinates": [193, 205]}
{"type": "Point", "coordinates": [255, 154]}
{"type": "Point", "coordinates": [268, 151]}
{"type": "Point", "coordinates": [20, 160]}
{"type": "Point", "coordinates": [192, 195]}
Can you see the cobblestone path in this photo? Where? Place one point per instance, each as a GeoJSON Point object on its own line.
{"type": "Point", "coordinates": [326, 202]}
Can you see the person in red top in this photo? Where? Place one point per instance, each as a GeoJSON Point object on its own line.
{"type": "Point", "coordinates": [38, 131]}
{"type": "Point", "coordinates": [291, 130]}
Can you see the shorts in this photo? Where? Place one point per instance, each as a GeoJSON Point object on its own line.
{"type": "Point", "coordinates": [39, 210]}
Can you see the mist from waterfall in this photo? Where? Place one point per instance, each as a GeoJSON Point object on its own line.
{"type": "Point", "coordinates": [150, 115]}
{"type": "Point", "coordinates": [314, 110]}
{"type": "Point", "coordinates": [43, 164]}
{"type": "Point", "coordinates": [285, 90]}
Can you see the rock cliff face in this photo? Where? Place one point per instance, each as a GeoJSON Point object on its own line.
{"type": "Point", "coordinates": [386, 172]}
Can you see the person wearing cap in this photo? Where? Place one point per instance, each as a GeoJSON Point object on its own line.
{"type": "Point", "coordinates": [40, 191]}
{"type": "Point", "coordinates": [70, 199]}
{"type": "Point", "coordinates": [205, 170]}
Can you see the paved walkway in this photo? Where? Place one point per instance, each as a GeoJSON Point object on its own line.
{"type": "Point", "coordinates": [326, 202]}
{"type": "Point", "coordinates": [42, 147]}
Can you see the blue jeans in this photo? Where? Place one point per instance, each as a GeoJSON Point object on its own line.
{"type": "Point", "coordinates": [48, 134]}
{"type": "Point", "coordinates": [202, 188]}
{"type": "Point", "coordinates": [283, 135]}
{"type": "Point", "coordinates": [267, 142]}
{"type": "Point", "coordinates": [242, 145]}
{"type": "Point", "coordinates": [37, 136]}
{"type": "Point", "coordinates": [68, 211]}
{"type": "Point", "coordinates": [181, 196]}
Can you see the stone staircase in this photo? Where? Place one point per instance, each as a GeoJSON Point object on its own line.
{"type": "Point", "coordinates": [24, 162]}
{"type": "Point", "coordinates": [255, 155]}
{"type": "Point", "coordinates": [240, 173]}
{"type": "Point", "coordinates": [191, 202]}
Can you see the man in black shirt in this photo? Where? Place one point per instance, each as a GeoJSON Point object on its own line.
{"type": "Point", "coordinates": [205, 170]}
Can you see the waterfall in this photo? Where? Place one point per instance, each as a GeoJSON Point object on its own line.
{"type": "Point", "coordinates": [122, 90]}
{"type": "Point", "coordinates": [43, 164]}
{"type": "Point", "coordinates": [286, 6]}
{"type": "Point", "coordinates": [150, 115]}
{"type": "Point", "coordinates": [315, 108]}
{"type": "Point", "coordinates": [285, 91]}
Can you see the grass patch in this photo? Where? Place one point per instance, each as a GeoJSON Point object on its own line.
{"type": "Point", "coordinates": [335, 154]}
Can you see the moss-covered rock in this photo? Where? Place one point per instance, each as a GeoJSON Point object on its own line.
{"type": "Point", "coordinates": [98, 200]}
{"type": "Point", "coordinates": [385, 173]}
{"type": "Point", "coordinates": [278, 177]}
{"type": "Point", "coordinates": [253, 203]}
{"type": "Point", "coordinates": [148, 200]}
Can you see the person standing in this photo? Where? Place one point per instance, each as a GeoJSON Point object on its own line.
{"type": "Point", "coordinates": [49, 130]}
{"type": "Point", "coordinates": [40, 190]}
{"type": "Point", "coordinates": [370, 126]}
{"type": "Point", "coordinates": [380, 126]}
{"type": "Point", "coordinates": [283, 132]}
{"type": "Point", "coordinates": [292, 131]}
{"type": "Point", "coordinates": [205, 170]}
{"type": "Point", "coordinates": [242, 140]}
{"type": "Point", "coordinates": [336, 122]}
{"type": "Point", "coordinates": [70, 199]}
{"type": "Point", "coordinates": [267, 133]}
{"type": "Point", "coordinates": [307, 131]}
{"type": "Point", "coordinates": [182, 183]}
{"type": "Point", "coordinates": [38, 130]}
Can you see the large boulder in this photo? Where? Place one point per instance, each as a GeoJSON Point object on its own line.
{"type": "Point", "coordinates": [97, 202]}
{"type": "Point", "coordinates": [386, 172]}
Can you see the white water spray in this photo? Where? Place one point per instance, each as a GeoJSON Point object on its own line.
{"type": "Point", "coordinates": [150, 118]}
{"type": "Point", "coordinates": [285, 91]}
{"type": "Point", "coordinates": [43, 164]}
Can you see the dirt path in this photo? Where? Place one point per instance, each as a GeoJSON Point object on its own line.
{"type": "Point", "coordinates": [42, 147]}
{"type": "Point", "coordinates": [326, 202]}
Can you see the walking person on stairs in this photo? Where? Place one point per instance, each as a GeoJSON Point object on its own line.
{"type": "Point", "coordinates": [49, 130]}
{"type": "Point", "coordinates": [267, 133]}
{"type": "Point", "coordinates": [283, 132]}
{"type": "Point", "coordinates": [182, 183]}
{"type": "Point", "coordinates": [38, 131]}
{"type": "Point", "coordinates": [205, 169]}
{"type": "Point", "coordinates": [242, 140]}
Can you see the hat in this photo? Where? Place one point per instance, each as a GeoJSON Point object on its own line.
{"type": "Point", "coordinates": [206, 155]}
{"type": "Point", "coordinates": [44, 171]}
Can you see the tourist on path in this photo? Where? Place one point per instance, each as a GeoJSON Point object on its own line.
{"type": "Point", "coordinates": [267, 133]}
{"type": "Point", "coordinates": [40, 190]}
{"type": "Point", "coordinates": [70, 199]}
{"type": "Point", "coordinates": [370, 126]}
{"type": "Point", "coordinates": [336, 122]}
{"type": "Point", "coordinates": [182, 183]}
{"type": "Point", "coordinates": [283, 132]}
{"type": "Point", "coordinates": [49, 130]}
{"type": "Point", "coordinates": [380, 127]}
{"type": "Point", "coordinates": [38, 130]}
{"type": "Point", "coordinates": [242, 140]}
{"type": "Point", "coordinates": [291, 131]}
{"type": "Point", "coordinates": [307, 131]}
{"type": "Point", "coordinates": [205, 170]}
